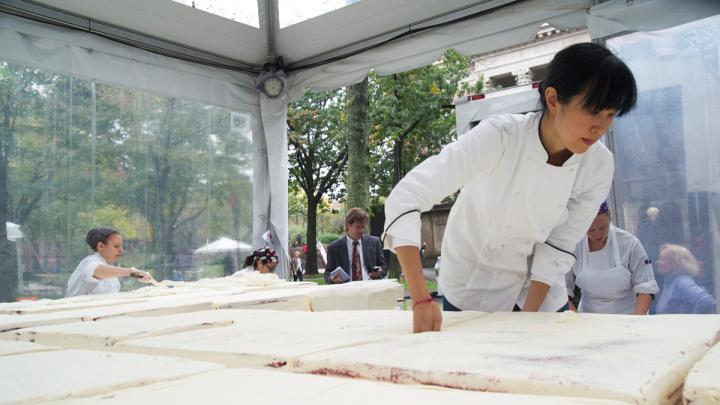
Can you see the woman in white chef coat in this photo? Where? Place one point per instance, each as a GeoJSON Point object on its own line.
{"type": "Point", "coordinates": [612, 270]}
{"type": "Point", "coordinates": [530, 187]}
{"type": "Point", "coordinates": [97, 274]}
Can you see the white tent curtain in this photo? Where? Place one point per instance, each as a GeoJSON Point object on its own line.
{"type": "Point", "coordinates": [274, 117]}
{"type": "Point", "coordinates": [618, 16]}
{"type": "Point", "coordinates": [92, 57]}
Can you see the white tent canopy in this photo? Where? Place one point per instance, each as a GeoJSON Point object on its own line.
{"type": "Point", "coordinates": [223, 245]}
{"type": "Point", "coordinates": [148, 44]}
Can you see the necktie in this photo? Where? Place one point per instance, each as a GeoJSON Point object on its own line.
{"type": "Point", "coordinates": [356, 272]}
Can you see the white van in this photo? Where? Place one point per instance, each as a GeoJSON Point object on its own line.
{"type": "Point", "coordinates": [470, 110]}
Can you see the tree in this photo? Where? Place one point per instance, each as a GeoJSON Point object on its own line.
{"type": "Point", "coordinates": [411, 111]}
{"type": "Point", "coordinates": [318, 154]}
{"type": "Point", "coordinates": [21, 90]}
{"type": "Point", "coordinates": [358, 180]}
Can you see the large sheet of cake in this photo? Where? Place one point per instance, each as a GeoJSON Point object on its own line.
{"type": "Point", "coordinates": [46, 376]}
{"type": "Point", "coordinates": [10, 347]}
{"type": "Point", "coordinates": [103, 334]}
{"type": "Point", "coordinates": [641, 360]}
{"type": "Point", "coordinates": [147, 308]}
{"type": "Point", "coordinates": [702, 386]}
{"type": "Point", "coordinates": [282, 299]}
{"type": "Point", "coordinates": [358, 295]}
{"type": "Point", "coordinates": [276, 338]}
{"type": "Point", "coordinates": [51, 306]}
{"type": "Point", "coordinates": [234, 386]}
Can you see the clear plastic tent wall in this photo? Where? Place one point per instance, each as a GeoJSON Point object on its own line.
{"type": "Point", "coordinates": [667, 150]}
{"type": "Point", "coordinates": [104, 134]}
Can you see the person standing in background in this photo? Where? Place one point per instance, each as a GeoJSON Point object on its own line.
{"type": "Point", "coordinates": [297, 267]}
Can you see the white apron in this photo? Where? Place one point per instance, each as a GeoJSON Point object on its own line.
{"type": "Point", "coordinates": [605, 291]}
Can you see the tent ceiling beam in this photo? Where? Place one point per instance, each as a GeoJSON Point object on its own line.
{"type": "Point", "coordinates": [477, 10]}
{"type": "Point", "coordinates": [40, 12]}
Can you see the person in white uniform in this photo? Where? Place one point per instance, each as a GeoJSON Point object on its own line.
{"type": "Point", "coordinates": [613, 271]}
{"type": "Point", "coordinates": [97, 274]}
{"type": "Point", "coordinates": [530, 187]}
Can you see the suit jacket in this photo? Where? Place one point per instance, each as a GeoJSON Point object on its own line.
{"type": "Point", "coordinates": [337, 255]}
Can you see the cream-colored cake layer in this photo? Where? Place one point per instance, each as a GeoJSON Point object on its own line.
{"type": "Point", "coordinates": [102, 334]}
{"type": "Point", "coordinates": [67, 306]}
{"type": "Point", "coordinates": [9, 348]}
{"type": "Point", "coordinates": [276, 338]}
{"type": "Point", "coordinates": [233, 386]}
{"type": "Point", "coordinates": [370, 294]}
{"type": "Point", "coordinates": [285, 299]}
{"type": "Point", "coordinates": [46, 376]}
{"type": "Point", "coordinates": [642, 360]}
{"type": "Point", "coordinates": [702, 386]}
{"type": "Point", "coordinates": [11, 307]}
{"type": "Point", "coordinates": [149, 308]}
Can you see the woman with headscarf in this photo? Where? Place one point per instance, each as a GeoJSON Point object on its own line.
{"type": "Point", "coordinates": [263, 260]}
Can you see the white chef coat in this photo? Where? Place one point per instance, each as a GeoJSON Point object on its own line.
{"type": "Point", "coordinates": [516, 219]}
{"type": "Point", "coordinates": [611, 277]}
{"type": "Point", "coordinates": [82, 282]}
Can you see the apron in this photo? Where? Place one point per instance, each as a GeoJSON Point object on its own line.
{"type": "Point", "coordinates": [605, 291]}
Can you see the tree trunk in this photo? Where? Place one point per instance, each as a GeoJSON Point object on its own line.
{"type": "Point", "coordinates": [358, 181]}
{"type": "Point", "coordinates": [8, 263]}
{"type": "Point", "coordinates": [311, 266]}
{"type": "Point", "coordinates": [397, 154]}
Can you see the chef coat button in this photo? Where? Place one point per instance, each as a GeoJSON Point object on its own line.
{"type": "Point", "coordinates": [572, 170]}
{"type": "Point", "coordinates": [560, 205]}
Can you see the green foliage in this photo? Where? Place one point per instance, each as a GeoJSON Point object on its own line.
{"type": "Point", "coordinates": [411, 117]}
{"type": "Point", "coordinates": [326, 238]}
{"type": "Point", "coordinates": [317, 139]}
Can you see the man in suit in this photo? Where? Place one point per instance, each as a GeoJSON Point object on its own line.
{"type": "Point", "coordinates": [359, 255]}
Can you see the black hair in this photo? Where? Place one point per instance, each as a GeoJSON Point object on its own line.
{"type": "Point", "coordinates": [249, 261]}
{"type": "Point", "coordinates": [101, 234]}
{"type": "Point", "coordinates": [591, 69]}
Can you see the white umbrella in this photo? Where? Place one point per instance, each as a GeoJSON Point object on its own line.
{"type": "Point", "coordinates": [223, 245]}
{"type": "Point", "coordinates": [13, 231]}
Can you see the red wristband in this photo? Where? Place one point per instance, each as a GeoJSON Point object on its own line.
{"type": "Point", "coordinates": [424, 301]}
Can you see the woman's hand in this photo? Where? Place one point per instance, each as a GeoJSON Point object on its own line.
{"type": "Point", "coordinates": [142, 276]}
{"type": "Point", "coordinates": [426, 313]}
{"type": "Point", "coordinates": [426, 316]}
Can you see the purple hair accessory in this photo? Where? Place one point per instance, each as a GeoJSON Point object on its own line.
{"type": "Point", "coordinates": [603, 208]}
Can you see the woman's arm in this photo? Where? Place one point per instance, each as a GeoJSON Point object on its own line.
{"type": "Point", "coordinates": [104, 271]}
{"type": "Point", "coordinates": [642, 304]}
{"type": "Point", "coordinates": [536, 295]}
{"type": "Point", "coordinates": [473, 154]}
{"type": "Point", "coordinates": [426, 313]}
{"type": "Point", "coordinates": [643, 279]}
